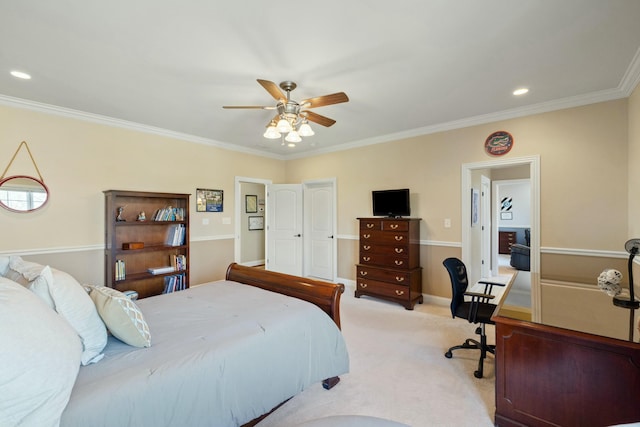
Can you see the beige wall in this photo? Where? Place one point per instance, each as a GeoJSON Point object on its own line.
{"type": "Point", "coordinates": [79, 160]}
{"type": "Point", "coordinates": [586, 202]}
{"type": "Point", "coordinates": [583, 162]}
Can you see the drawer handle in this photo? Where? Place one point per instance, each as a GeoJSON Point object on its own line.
{"type": "Point", "coordinates": [394, 226]}
{"type": "Point", "coordinates": [363, 285]}
{"type": "Point", "coordinates": [399, 279]}
{"type": "Point", "coordinates": [399, 250]}
{"type": "Point", "coordinates": [366, 247]}
{"type": "Point", "coordinates": [370, 225]}
{"type": "Point", "coordinates": [399, 262]}
{"type": "Point", "coordinates": [363, 273]}
{"type": "Point", "coordinates": [366, 258]}
{"type": "Point", "coordinates": [399, 292]}
{"type": "Point", "coordinates": [366, 236]}
{"type": "Point", "coordinates": [398, 238]}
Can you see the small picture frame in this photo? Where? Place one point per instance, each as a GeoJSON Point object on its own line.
{"type": "Point", "coordinates": [256, 223]}
{"type": "Point", "coordinates": [475, 208]}
{"type": "Point", "coordinates": [251, 203]}
{"type": "Point", "coordinates": [506, 215]}
{"type": "Point", "coordinates": [209, 200]}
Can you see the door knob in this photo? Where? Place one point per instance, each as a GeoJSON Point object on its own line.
{"type": "Point", "coordinates": [297, 235]}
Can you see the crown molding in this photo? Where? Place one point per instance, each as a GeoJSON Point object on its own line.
{"type": "Point", "coordinates": [124, 124]}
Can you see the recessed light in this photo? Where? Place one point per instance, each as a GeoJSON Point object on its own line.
{"type": "Point", "coordinates": [20, 75]}
{"type": "Point", "coordinates": [520, 91]}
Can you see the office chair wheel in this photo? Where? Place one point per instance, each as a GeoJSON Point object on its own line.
{"type": "Point", "coordinates": [448, 355]}
{"type": "Point", "coordinates": [477, 374]}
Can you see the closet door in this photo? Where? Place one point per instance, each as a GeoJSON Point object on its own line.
{"type": "Point", "coordinates": [284, 228]}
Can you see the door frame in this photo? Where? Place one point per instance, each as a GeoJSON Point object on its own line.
{"type": "Point", "coordinates": [534, 178]}
{"type": "Point", "coordinates": [238, 229]}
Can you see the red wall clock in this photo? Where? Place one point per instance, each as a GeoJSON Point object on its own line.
{"type": "Point", "coordinates": [498, 143]}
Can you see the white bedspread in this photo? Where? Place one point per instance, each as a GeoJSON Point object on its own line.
{"type": "Point", "coordinates": [222, 354]}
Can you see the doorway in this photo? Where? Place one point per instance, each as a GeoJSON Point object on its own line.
{"type": "Point", "coordinates": [468, 241]}
{"type": "Point", "coordinates": [249, 247]}
{"type": "Point", "coordinates": [316, 252]}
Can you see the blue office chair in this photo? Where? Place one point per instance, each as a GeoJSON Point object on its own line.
{"type": "Point", "coordinates": [475, 309]}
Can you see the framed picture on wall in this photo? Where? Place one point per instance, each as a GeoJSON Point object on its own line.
{"type": "Point", "coordinates": [251, 203]}
{"type": "Point", "coordinates": [209, 200]}
{"type": "Point", "coordinates": [475, 200]}
{"type": "Point", "coordinates": [256, 223]}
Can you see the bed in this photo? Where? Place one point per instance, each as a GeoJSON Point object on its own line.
{"type": "Point", "coordinates": [223, 353]}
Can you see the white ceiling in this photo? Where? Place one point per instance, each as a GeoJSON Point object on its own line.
{"type": "Point", "coordinates": [409, 67]}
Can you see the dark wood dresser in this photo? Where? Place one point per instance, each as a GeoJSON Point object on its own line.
{"type": "Point", "coordinates": [505, 240]}
{"type": "Point", "coordinates": [389, 257]}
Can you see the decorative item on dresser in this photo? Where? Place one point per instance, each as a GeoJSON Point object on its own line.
{"type": "Point", "coordinates": [149, 256]}
{"type": "Point", "coordinates": [389, 265]}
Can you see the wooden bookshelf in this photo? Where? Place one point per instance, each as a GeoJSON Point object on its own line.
{"type": "Point", "coordinates": [158, 248]}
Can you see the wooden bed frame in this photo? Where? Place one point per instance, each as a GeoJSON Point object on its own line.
{"type": "Point", "coordinates": [325, 295]}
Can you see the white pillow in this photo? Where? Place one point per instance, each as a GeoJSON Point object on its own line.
{"type": "Point", "coordinates": [39, 359]}
{"type": "Point", "coordinates": [122, 316]}
{"type": "Point", "coordinates": [4, 265]}
{"type": "Point", "coordinates": [69, 299]}
{"type": "Point", "coordinates": [34, 276]}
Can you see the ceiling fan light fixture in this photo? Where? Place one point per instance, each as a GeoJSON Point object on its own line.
{"type": "Point", "coordinates": [272, 132]}
{"type": "Point", "coordinates": [305, 130]}
{"type": "Point", "coordinates": [293, 136]}
{"type": "Point", "coordinates": [284, 126]}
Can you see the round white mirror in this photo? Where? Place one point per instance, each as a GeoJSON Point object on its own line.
{"type": "Point", "coordinates": [22, 193]}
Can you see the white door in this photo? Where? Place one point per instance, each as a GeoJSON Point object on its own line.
{"type": "Point", "coordinates": [485, 244]}
{"type": "Point", "coordinates": [284, 228]}
{"type": "Point", "coordinates": [319, 241]}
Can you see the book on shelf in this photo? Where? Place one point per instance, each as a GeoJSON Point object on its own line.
{"type": "Point", "coordinates": [120, 270]}
{"type": "Point", "coordinates": [174, 283]}
{"type": "Point", "coordinates": [161, 270]}
{"type": "Point", "coordinates": [175, 235]}
{"type": "Point", "coordinates": [179, 262]}
{"type": "Point", "coordinates": [169, 214]}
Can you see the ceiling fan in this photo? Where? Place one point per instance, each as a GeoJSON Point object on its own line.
{"type": "Point", "coordinates": [292, 116]}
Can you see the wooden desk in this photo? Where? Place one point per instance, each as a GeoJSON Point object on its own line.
{"type": "Point", "coordinates": [499, 292]}
{"type": "Point", "coordinates": [550, 376]}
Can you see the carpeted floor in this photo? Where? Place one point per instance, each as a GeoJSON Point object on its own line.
{"type": "Point", "coordinates": [399, 372]}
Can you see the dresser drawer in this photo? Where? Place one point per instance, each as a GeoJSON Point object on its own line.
{"type": "Point", "coordinates": [390, 261]}
{"type": "Point", "coordinates": [383, 238]}
{"type": "Point", "coordinates": [383, 288]}
{"type": "Point", "coordinates": [398, 277]}
{"type": "Point", "coordinates": [371, 224]}
{"type": "Point", "coordinates": [393, 225]}
{"type": "Point", "coordinates": [392, 250]}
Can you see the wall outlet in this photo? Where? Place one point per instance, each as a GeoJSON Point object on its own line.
{"type": "Point", "coordinates": [447, 223]}
{"type": "Point", "coordinates": [205, 221]}
{"type": "Point", "coordinates": [226, 220]}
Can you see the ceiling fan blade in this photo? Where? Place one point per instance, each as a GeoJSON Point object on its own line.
{"type": "Point", "coordinates": [319, 101]}
{"type": "Point", "coordinates": [317, 118]}
{"type": "Point", "coordinates": [255, 107]}
{"type": "Point", "coordinates": [273, 89]}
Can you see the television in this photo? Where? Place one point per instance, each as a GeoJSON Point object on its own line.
{"type": "Point", "coordinates": [391, 203]}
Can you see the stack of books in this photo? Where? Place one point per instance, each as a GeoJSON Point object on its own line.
{"type": "Point", "coordinates": [120, 273]}
{"type": "Point", "coordinates": [175, 235]}
{"type": "Point", "coordinates": [174, 283]}
{"type": "Point", "coordinates": [179, 262]}
{"type": "Point", "coordinates": [169, 214]}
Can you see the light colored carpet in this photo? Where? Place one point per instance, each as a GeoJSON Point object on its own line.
{"type": "Point", "coordinates": [399, 372]}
